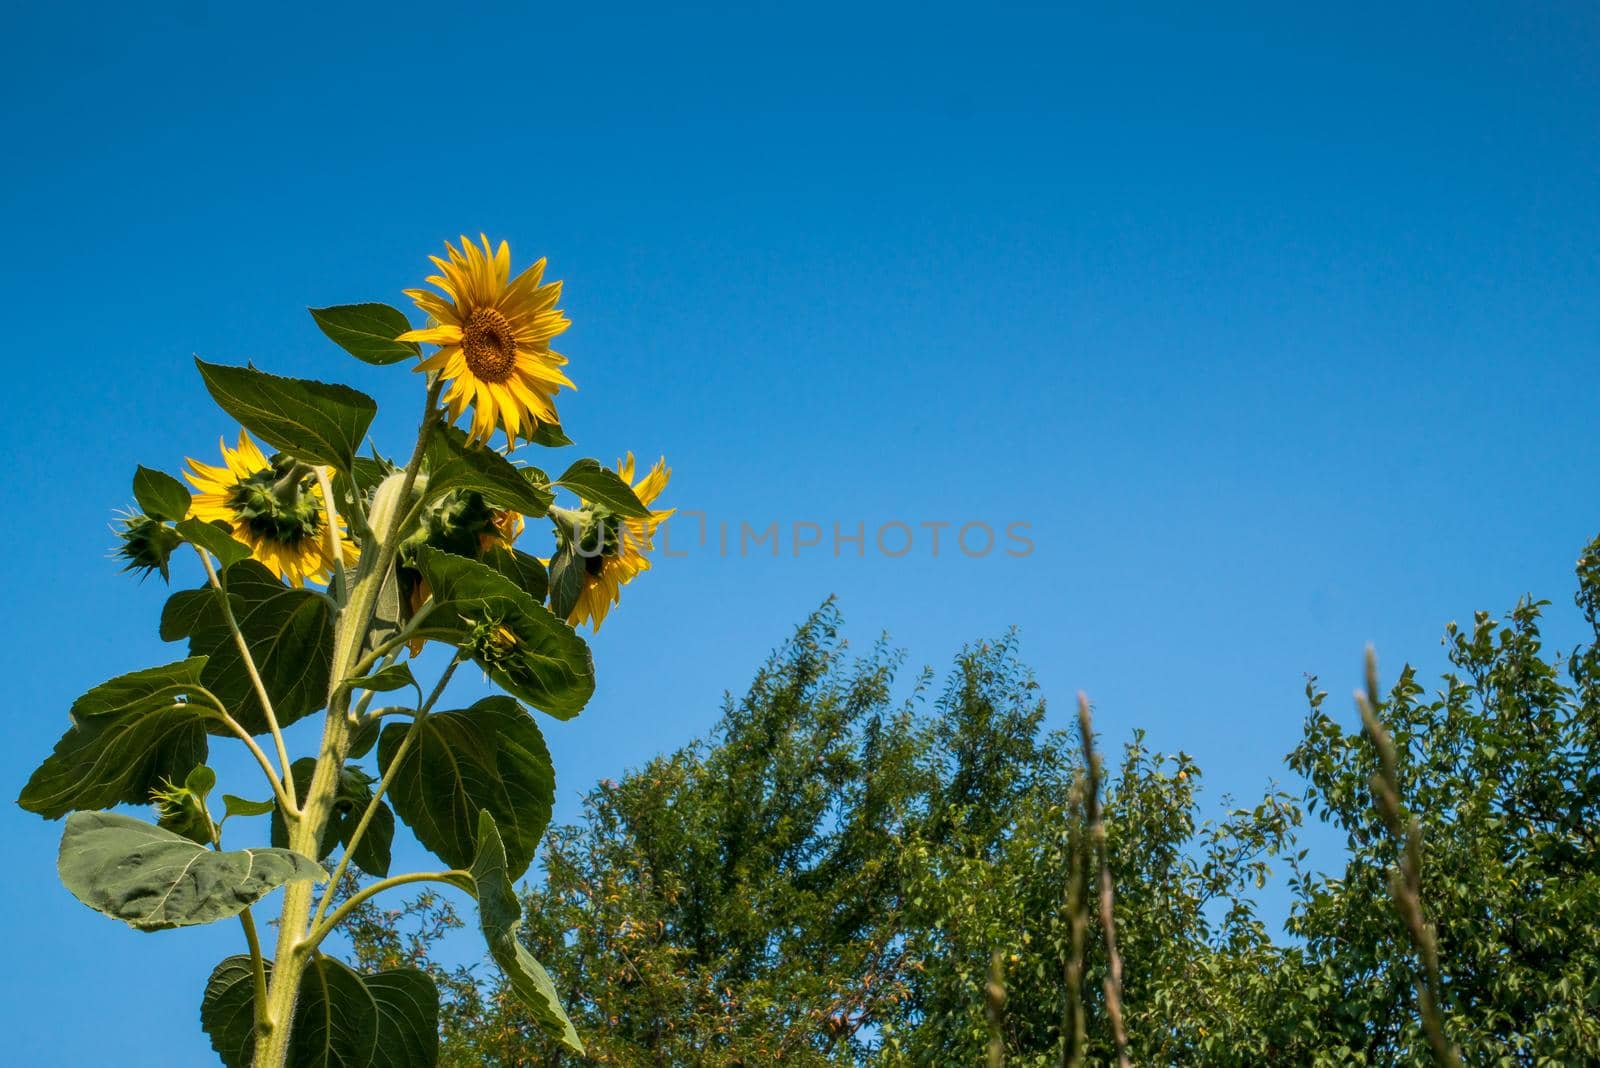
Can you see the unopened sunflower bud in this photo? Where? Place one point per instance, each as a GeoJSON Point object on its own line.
{"type": "Point", "coordinates": [147, 544]}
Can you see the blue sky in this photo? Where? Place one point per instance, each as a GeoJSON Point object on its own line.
{"type": "Point", "coordinates": [1279, 329]}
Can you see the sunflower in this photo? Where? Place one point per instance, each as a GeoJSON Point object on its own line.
{"type": "Point", "coordinates": [274, 506]}
{"type": "Point", "coordinates": [613, 548]}
{"type": "Point", "coordinates": [493, 333]}
{"type": "Point", "coordinates": [467, 526]}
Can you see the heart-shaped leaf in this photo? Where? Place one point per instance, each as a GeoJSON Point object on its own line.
{"type": "Point", "coordinates": [128, 737]}
{"type": "Point", "coordinates": [490, 757]}
{"type": "Point", "coordinates": [290, 636]}
{"type": "Point", "coordinates": [603, 486]}
{"type": "Point", "coordinates": [341, 1018]}
{"type": "Point", "coordinates": [152, 879]}
{"type": "Point", "coordinates": [312, 421]}
{"type": "Point", "coordinates": [160, 495]}
{"type": "Point", "coordinates": [367, 331]}
{"type": "Point", "coordinates": [529, 652]}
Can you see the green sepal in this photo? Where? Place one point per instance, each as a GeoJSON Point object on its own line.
{"type": "Point", "coordinates": [312, 421]}
{"type": "Point", "coordinates": [152, 879]}
{"type": "Point", "coordinates": [367, 331]}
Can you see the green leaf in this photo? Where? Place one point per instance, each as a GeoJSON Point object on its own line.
{"type": "Point", "coordinates": [215, 539]}
{"type": "Point", "coordinates": [242, 806]}
{"type": "Point", "coordinates": [184, 610]}
{"type": "Point", "coordinates": [603, 486]}
{"type": "Point", "coordinates": [549, 435]}
{"type": "Point", "coordinates": [475, 607]}
{"type": "Point", "coordinates": [367, 331]}
{"type": "Point", "coordinates": [152, 879]}
{"type": "Point", "coordinates": [566, 583]}
{"type": "Point", "coordinates": [312, 421]}
{"type": "Point", "coordinates": [335, 1018]}
{"type": "Point", "coordinates": [126, 740]}
{"type": "Point", "coordinates": [228, 1009]}
{"type": "Point", "coordinates": [490, 757]}
{"type": "Point", "coordinates": [455, 464]}
{"type": "Point", "coordinates": [141, 690]}
{"type": "Point", "coordinates": [500, 915]}
{"type": "Point", "coordinates": [341, 1018]}
{"type": "Point", "coordinates": [524, 570]}
{"type": "Point", "coordinates": [160, 495]}
{"type": "Point", "coordinates": [408, 1019]}
{"type": "Point", "coordinates": [351, 799]}
{"type": "Point", "coordinates": [386, 680]}
{"type": "Point", "coordinates": [290, 636]}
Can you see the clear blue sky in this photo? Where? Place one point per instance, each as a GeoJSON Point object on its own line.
{"type": "Point", "coordinates": [1280, 329]}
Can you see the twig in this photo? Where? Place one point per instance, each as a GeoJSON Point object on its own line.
{"type": "Point", "coordinates": [1097, 836]}
{"type": "Point", "coordinates": [1074, 1026]}
{"type": "Point", "coordinates": [994, 1009]}
{"type": "Point", "coordinates": [1405, 883]}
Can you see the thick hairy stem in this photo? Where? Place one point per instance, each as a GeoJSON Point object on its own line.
{"type": "Point", "coordinates": [1097, 837]}
{"type": "Point", "coordinates": [255, 678]}
{"type": "Point", "coordinates": [1405, 884]}
{"type": "Point", "coordinates": [305, 832]}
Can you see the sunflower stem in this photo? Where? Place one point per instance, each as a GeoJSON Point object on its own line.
{"type": "Point", "coordinates": [305, 834]}
{"type": "Point", "coordinates": [284, 782]}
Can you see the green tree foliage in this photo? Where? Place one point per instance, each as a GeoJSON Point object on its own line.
{"type": "Point", "coordinates": [827, 878]}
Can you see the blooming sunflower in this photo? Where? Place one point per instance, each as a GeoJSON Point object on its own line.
{"type": "Point", "coordinates": [613, 548]}
{"type": "Point", "coordinates": [493, 333]}
{"type": "Point", "coordinates": [274, 506]}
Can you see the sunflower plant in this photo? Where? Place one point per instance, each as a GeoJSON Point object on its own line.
{"type": "Point", "coordinates": [323, 569]}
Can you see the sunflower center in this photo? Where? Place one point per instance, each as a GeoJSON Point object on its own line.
{"type": "Point", "coordinates": [488, 343]}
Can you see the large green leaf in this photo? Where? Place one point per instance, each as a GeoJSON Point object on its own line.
{"type": "Point", "coordinates": [312, 421]}
{"type": "Point", "coordinates": [550, 435]}
{"type": "Point", "coordinates": [408, 1019]}
{"type": "Point", "coordinates": [456, 464]}
{"type": "Point", "coordinates": [367, 331]}
{"type": "Point", "coordinates": [160, 495]}
{"type": "Point", "coordinates": [185, 609]}
{"type": "Point", "coordinates": [227, 1011]}
{"type": "Point", "coordinates": [490, 757]}
{"type": "Point", "coordinates": [153, 879]}
{"type": "Point", "coordinates": [128, 736]}
{"type": "Point", "coordinates": [353, 795]}
{"type": "Point", "coordinates": [603, 486]}
{"type": "Point", "coordinates": [341, 1018]}
{"type": "Point", "coordinates": [529, 652]}
{"type": "Point", "coordinates": [566, 582]}
{"type": "Point", "coordinates": [290, 636]}
{"type": "Point", "coordinates": [500, 914]}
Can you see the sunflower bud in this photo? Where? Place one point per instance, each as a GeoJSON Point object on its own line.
{"type": "Point", "coordinates": [182, 809]}
{"type": "Point", "coordinates": [147, 544]}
